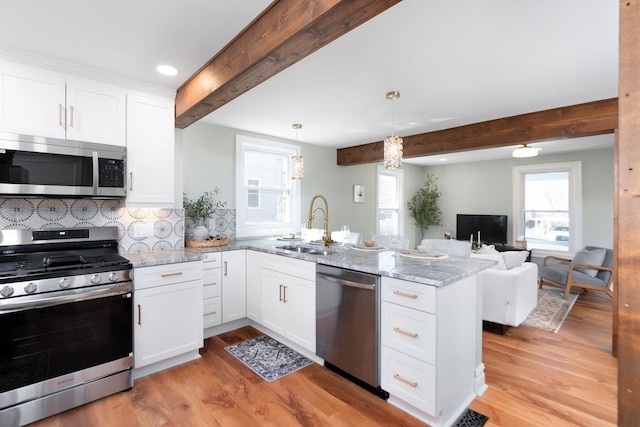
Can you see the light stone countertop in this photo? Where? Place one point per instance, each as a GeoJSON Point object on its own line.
{"type": "Point", "coordinates": [389, 263]}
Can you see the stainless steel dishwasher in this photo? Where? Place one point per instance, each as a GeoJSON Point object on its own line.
{"type": "Point", "coordinates": [347, 325]}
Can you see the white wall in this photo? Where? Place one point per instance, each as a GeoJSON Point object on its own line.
{"type": "Point", "coordinates": [479, 187]}
{"type": "Point", "coordinates": [486, 188]}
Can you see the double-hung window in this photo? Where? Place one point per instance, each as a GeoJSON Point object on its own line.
{"type": "Point", "coordinates": [390, 201]}
{"type": "Point", "coordinates": [548, 206]}
{"type": "Point", "coordinates": [267, 199]}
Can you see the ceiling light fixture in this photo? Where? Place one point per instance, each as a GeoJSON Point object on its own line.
{"type": "Point", "coordinates": [393, 143]}
{"type": "Point", "coordinates": [525, 151]}
{"type": "Point", "coordinates": [297, 162]}
{"type": "Point", "coordinates": [167, 70]}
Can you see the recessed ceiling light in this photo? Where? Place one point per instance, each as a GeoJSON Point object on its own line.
{"type": "Point", "coordinates": [443, 159]}
{"type": "Point", "coordinates": [167, 70]}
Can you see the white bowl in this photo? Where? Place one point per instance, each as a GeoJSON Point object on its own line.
{"type": "Point", "coordinates": [423, 249]}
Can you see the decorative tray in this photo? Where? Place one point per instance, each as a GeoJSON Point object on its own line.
{"type": "Point", "coordinates": [423, 255]}
{"type": "Point", "coordinates": [368, 248]}
{"type": "Point", "coordinates": [208, 243]}
{"type": "Point", "coordinates": [321, 243]}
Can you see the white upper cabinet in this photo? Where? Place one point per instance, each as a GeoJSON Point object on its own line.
{"type": "Point", "coordinates": [44, 103]}
{"type": "Point", "coordinates": [150, 151]}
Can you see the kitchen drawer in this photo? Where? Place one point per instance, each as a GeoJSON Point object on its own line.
{"type": "Point", "coordinates": [211, 291]}
{"type": "Point", "coordinates": [212, 259]}
{"type": "Point", "coordinates": [409, 294]}
{"type": "Point", "coordinates": [212, 315]}
{"type": "Point", "coordinates": [212, 276]}
{"type": "Point", "coordinates": [409, 379]}
{"type": "Point", "coordinates": [166, 274]}
{"type": "Point", "coordinates": [293, 267]}
{"type": "Point", "coordinates": [409, 331]}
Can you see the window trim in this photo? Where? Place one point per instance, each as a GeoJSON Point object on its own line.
{"type": "Point", "coordinates": [575, 202]}
{"type": "Point", "coordinates": [243, 230]}
{"type": "Point", "coordinates": [399, 174]}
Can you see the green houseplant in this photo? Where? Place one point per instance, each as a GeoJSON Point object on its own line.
{"type": "Point", "coordinates": [423, 206]}
{"type": "Point", "coordinates": [200, 209]}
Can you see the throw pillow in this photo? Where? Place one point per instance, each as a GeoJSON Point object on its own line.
{"type": "Point", "coordinates": [593, 257]}
{"type": "Point", "coordinates": [513, 259]}
{"type": "Point", "coordinates": [487, 249]}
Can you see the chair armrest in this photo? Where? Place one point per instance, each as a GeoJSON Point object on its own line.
{"type": "Point", "coordinates": [595, 267]}
{"type": "Point", "coordinates": [557, 258]}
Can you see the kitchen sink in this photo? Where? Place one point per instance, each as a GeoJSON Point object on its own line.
{"type": "Point", "coordinates": [305, 250]}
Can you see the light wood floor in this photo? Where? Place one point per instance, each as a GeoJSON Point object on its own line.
{"type": "Point", "coordinates": [535, 378]}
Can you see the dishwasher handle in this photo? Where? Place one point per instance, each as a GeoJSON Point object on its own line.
{"type": "Point", "coordinates": [346, 282]}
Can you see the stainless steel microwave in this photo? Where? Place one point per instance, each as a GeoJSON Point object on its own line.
{"type": "Point", "coordinates": [34, 166]}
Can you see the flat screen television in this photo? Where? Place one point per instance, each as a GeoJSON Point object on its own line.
{"type": "Point", "coordinates": [492, 228]}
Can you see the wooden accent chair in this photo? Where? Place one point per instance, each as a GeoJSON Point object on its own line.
{"type": "Point", "coordinates": [566, 273]}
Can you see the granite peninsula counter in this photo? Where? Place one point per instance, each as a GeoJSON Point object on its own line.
{"type": "Point", "coordinates": [388, 263]}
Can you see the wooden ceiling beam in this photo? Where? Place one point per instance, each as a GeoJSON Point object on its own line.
{"type": "Point", "coordinates": [286, 32]}
{"type": "Point", "coordinates": [592, 118]}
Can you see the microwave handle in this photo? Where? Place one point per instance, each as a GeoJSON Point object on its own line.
{"type": "Point", "coordinates": [96, 172]}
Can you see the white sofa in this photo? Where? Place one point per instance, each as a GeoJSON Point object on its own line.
{"type": "Point", "coordinates": [510, 290]}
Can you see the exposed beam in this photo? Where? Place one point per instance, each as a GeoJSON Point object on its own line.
{"type": "Point", "coordinates": [286, 32]}
{"type": "Point", "coordinates": [592, 118]}
{"type": "Point", "coordinates": [626, 236]}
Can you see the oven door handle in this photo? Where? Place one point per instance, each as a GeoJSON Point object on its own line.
{"type": "Point", "coordinates": [63, 297]}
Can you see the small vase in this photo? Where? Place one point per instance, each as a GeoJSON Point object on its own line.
{"type": "Point", "coordinates": [200, 233]}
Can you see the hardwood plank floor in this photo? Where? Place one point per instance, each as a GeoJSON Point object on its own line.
{"type": "Point", "coordinates": [535, 378]}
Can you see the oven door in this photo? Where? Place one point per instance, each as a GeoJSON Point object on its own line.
{"type": "Point", "coordinates": [59, 340]}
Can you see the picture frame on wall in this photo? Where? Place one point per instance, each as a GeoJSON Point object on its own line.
{"type": "Point", "coordinates": [358, 193]}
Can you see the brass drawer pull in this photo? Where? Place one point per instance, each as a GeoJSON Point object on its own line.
{"type": "Point", "coordinates": [404, 380]}
{"type": "Point", "coordinates": [179, 273]}
{"type": "Point", "coordinates": [402, 294]}
{"type": "Point", "coordinates": [403, 332]}
{"type": "Point", "coordinates": [139, 315]}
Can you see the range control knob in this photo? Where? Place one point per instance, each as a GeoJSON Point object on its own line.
{"type": "Point", "coordinates": [7, 291]}
{"type": "Point", "coordinates": [95, 279]}
{"type": "Point", "coordinates": [113, 277]}
{"type": "Point", "coordinates": [31, 288]}
{"type": "Point", "coordinates": [64, 282]}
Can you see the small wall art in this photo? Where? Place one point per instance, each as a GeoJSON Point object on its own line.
{"type": "Point", "coordinates": [358, 193]}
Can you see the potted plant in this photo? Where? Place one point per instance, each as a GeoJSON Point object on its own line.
{"type": "Point", "coordinates": [200, 209]}
{"type": "Point", "coordinates": [423, 206]}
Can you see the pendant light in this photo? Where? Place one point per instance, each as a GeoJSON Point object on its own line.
{"type": "Point", "coordinates": [297, 162]}
{"type": "Point", "coordinates": [393, 143]}
{"type": "Point", "coordinates": [525, 151]}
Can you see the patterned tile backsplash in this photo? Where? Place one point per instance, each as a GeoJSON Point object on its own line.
{"type": "Point", "coordinates": [168, 224]}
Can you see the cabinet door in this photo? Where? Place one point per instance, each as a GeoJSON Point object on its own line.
{"type": "Point", "coordinates": [150, 151]}
{"type": "Point", "coordinates": [234, 286]}
{"type": "Point", "coordinates": [168, 321]}
{"type": "Point", "coordinates": [95, 112]}
{"type": "Point", "coordinates": [300, 312]}
{"type": "Point", "coordinates": [32, 101]}
{"type": "Point", "coordinates": [271, 297]}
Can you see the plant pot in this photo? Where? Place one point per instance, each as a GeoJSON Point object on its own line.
{"type": "Point", "coordinates": [200, 233]}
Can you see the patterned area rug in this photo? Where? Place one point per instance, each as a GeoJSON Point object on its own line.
{"type": "Point", "coordinates": [472, 418]}
{"type": "Point", "coordinates": [552, 309]}
{"type": "Point", "coordinates": [268, 358]}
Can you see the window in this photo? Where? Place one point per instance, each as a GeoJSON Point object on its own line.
{"type": "Point", "coordinates": [548, 206]}
{"type": "Point", "coordinates": [390, 213]}
{"type": "Point", "coordinates": [268, 200]}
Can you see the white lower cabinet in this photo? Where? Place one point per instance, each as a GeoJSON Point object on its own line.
{"type": "Point", "coordinates": [253, 285]}
{"type": "Point", "coordinates": [234, 285]}
{"type": "Point", "coordinates": [428, 347]}
{"type": "Point", "coordinates": [211, 289]}
{"type": "Point", "coordinates": [288, 300]}
{"type": "Point", "coordinates": [167, 311]}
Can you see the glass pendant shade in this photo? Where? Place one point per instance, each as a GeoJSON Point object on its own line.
{"type": "Point", "coordinates": [392, 152]}
{"type": "Point", "coordinates": [297, 167]}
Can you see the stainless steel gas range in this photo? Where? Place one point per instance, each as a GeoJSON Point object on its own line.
{"type": "Point", "coordinates": [66, 321]}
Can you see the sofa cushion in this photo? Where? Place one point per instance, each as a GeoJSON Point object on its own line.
{"type": "Point", "coordinates": [513, 259]}
{"type": "Point", "coordinates": [593, 257]}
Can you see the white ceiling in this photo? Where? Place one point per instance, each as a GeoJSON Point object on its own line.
{"type": "Point", "coordinates": [454, 63]}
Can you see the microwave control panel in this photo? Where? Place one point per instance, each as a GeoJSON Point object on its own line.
{"type": "Point", "coordinates": [111, 173]}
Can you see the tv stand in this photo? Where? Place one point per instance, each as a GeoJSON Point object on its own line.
{"type": "Point", "coordinates": [500, 247]}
